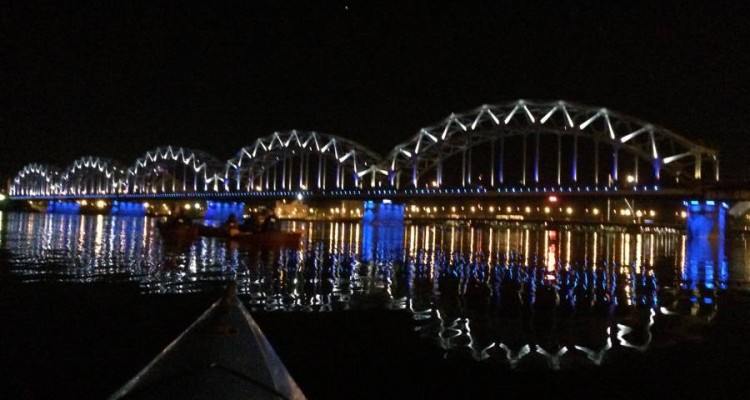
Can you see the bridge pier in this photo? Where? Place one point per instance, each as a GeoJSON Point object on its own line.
{"type": "Point", "coordinates": [382, 230]}
{"type": "Point", "coordinates": [705, 268]}
{"type": "Point", "coordinates": [216, 210]}
{"type": "Point", "coordinates": [130, 208]}
{"type": "Point", "coordinates": [63, 207]}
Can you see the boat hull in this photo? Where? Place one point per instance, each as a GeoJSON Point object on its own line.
{"type": "Point", "coordinates": [177, 232]}
{"type": "Point", "coordinates": [265, 239]}
{"type": "Point", "coordinates": [223, 354]}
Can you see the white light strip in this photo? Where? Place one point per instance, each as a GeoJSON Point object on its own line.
{"type": "Point", "coordinates": [507, 119]}
{"type": "Point", "coordinates": [549, 114]}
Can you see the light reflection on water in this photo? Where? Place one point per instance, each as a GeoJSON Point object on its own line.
{"type": "Point", "coordinates": [534, 297]}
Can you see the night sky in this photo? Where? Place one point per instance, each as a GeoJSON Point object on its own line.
{"type": "Point", "coordinates": [116, 81]}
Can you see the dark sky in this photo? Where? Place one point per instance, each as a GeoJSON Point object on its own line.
{"type": "Point", "coordinates": [116, 81]}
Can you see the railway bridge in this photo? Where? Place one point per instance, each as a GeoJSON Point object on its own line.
{"type": "Point", "coordinates": [518, 152]}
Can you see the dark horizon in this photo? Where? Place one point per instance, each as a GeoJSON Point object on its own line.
{"type": "Point", "coordinates": [118, 81]}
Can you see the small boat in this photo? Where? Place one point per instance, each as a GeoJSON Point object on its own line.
{"type": "Point", "coordinates": [177, 231]}
{"type": "Point", "coordinates": [264, 239]}
{"type": "Point", "coordinates": [223, 354]}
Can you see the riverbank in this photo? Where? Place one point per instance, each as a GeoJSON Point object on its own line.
{"type": "Point", "coordinates": [86, 340]}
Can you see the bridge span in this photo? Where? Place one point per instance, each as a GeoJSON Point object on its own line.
{"type": "Point", "coordinates": [516, 150]}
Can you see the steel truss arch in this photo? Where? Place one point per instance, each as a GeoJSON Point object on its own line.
{"type": "Point", "coordinates": [410, 163]}
{"type": "Point", "coordinates": [173, 169]}
{"type": "Point", "coordinates": [93, 175]}
{"type": "Point", "coordinates": [36, 179]}
{"type": "Point", "coordinates": [301, 160]}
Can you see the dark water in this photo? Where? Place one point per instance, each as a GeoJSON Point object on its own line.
{"type": "Point", "coordinates": [529, 298]}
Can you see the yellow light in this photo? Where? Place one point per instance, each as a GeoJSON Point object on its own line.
{"type": "Point", "coordinates": [101, 204]}
{"type": "Point", "coordinates": [595, 211]}
{"type": "Point", "coordinates": [3, 197]}
{"type": "Point", "coordinates": [639, 213]}
{"type": "Point", "coordinates": [453, 209]}
{"type": "Point", "coordinates": [546, 210]}
{"type": "Point", "coordinates": [683, 214]}
{"type": "Point", "coordinates": [492, 209]}
{"type": "Point", "coordinates": [197, 206]}
{"type": "Point", "coordinates": [187, 206]}
{"type": "Point", "coordinates": [630, 178]}
{"type": "Point", "coordinates": [527, 209]}
{"type": "Point", "coordinates": [84, 202]}
{"type": "Point", "coordinates": [258, 188]}
{"type": "Point", "coordinates": [508, 209]}
{"type": "Point", "coordinates": [652, 213]}
{"type": "Point", "coordinates": [146, 205]}
{"type": "Point", "coordinates": [473, 209]}
{"type": "Point", "coordinates": [569, 210]}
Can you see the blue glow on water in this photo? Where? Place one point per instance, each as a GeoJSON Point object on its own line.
{"type": "Point", "coordinates": [368, 230]}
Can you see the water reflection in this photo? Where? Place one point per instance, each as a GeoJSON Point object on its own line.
{"type": "Point", "coordinates": [527, 296]}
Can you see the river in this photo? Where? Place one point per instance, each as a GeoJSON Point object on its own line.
{"type": "Point", "coordinates": [525, 297]}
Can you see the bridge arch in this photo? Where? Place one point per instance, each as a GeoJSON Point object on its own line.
{"type": "Point", "coordinates": [36, 179]}
{"type": "Point", "coordinates": [172, 169]}
{"type": "Point", "coordinates": [299, 160]}
{"type": "Point", "coordinates": [526, 143]}
{"type": "Point", "coordinates": [93, 175]}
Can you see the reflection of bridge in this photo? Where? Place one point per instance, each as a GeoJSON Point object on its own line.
{"type": "Point", "coordinates": [521, 147]}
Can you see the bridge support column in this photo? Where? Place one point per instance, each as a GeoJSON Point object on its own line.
{"type": "Point", "coordinates": [705, 260]}
{"type": "Point", "coordinates": [220, 211]}
{"type": "Point", "coordinates": [127, 208]}
{"type": "Point", "coordinates": [63, 207]}
{"type": "Point", "coordinates": [382, 231]}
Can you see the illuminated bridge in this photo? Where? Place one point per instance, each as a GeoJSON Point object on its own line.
{"type": "Point", "coordinates": [522, 147]}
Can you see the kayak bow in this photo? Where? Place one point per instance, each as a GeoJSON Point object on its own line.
{"type": "Point", "coordinates": [223, 354]}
